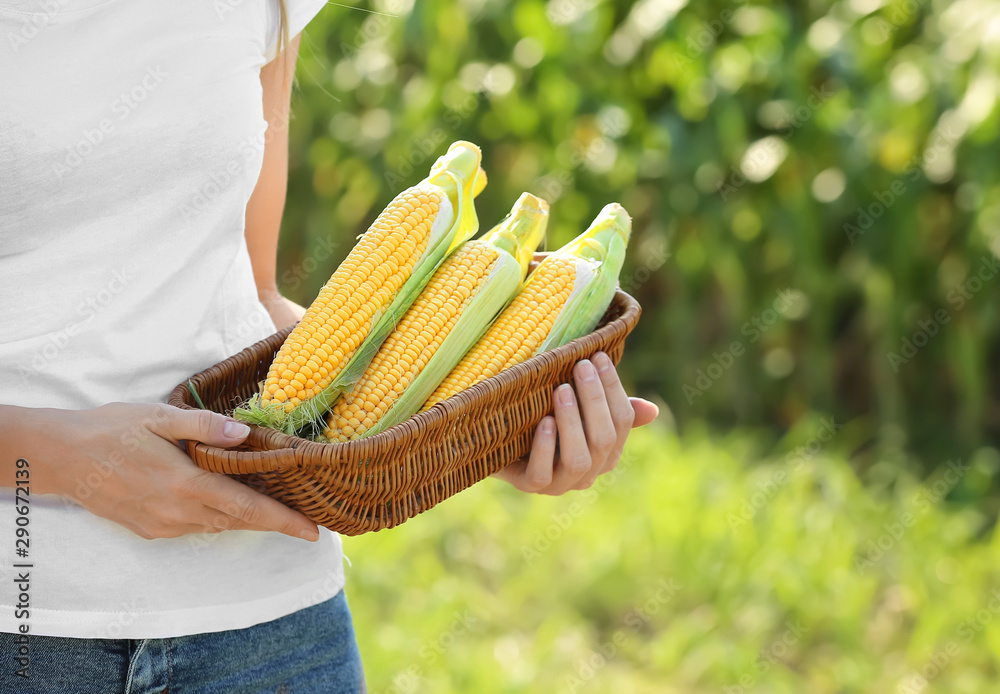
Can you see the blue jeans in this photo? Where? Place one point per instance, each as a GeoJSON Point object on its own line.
{"type": "Point", "coordinates": [311, 651]}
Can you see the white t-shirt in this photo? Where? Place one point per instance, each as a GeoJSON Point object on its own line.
{"type": "Point", "coordinates": [131, 138]}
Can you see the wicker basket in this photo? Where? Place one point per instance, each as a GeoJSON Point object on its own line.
{"type": "Point", "coordinates": [381, 481]}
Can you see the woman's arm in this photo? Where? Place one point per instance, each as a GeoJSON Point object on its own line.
{"type": "Point", "coordinates": [264, 210]}
{"type": "Point", "coordinates": [123, 462]}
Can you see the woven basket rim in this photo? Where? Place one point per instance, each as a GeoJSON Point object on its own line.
{"type": "Point", "coordinates": [275, 441]}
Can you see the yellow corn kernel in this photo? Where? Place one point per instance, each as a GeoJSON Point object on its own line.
{"type": "Point", "coordinates": [517, 333]}
{"type": "Point", "coordinates": [415, 340]}
{"type": "Point", "coordinates": [563, 299]}
{"type": "Point", "coordinates": [339, 319]}
{"type": "Point", "coordinates": [328, 351]}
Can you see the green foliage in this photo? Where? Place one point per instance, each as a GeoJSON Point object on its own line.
{"type": "Point", "coordinates": [814, 187]}
{"type": "Point", "coordinates": [687, 570]}
{"type": "Point", "coordinates": [845, 150]}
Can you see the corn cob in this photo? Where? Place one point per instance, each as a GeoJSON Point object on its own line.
{"type": "Point", "coordinates": [472, 286]}
{"type": "Point", "coordinates": [331, 346]}
{"type": "Point", "coordinates": [563, 299]}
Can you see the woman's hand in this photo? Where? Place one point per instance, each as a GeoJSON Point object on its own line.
{"type": "Point", "coordinates": [124, 463]}
{"type": "Point", "coordinates": [591, 426]}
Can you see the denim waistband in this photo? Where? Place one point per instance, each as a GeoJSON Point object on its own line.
{"type": "Point", "coordinates": [310, 651]}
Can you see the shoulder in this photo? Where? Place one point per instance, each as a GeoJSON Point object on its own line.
{"type": "Point", "coordinates": [296, 14]}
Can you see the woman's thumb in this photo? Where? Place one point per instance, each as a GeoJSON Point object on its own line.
{"type": "Point", "coordinates": [205, 426]}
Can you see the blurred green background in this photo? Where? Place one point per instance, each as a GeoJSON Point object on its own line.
{"type": "Point", "coordinates": [816, 216]}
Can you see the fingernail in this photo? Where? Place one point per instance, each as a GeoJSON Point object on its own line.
{"type": "Point", "coordinates": [548, 426]}
{"type": "Point", "coordinates": [564, 394]}
{"type": "Point", "coordinates": [311, 535]}
{"type": "Point", "coordinates": [603, 362]}
{"type": "Point", "coordinates": [586, 371]}
{"type": "Point", "coordinates": [235, 430]}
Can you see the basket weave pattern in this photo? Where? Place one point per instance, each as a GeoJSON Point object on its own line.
{"type": "Point", "coordinates": [381, 481]}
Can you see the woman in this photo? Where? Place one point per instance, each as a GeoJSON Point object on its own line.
{"type": "Point", "coordinates": [143, 166]}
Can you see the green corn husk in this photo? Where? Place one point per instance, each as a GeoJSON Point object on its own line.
{"type": "Point", "coordinates": [520, 331]}
{"type": "Point", "coordinates": [459, 175]}
{"type": "Point", "coordinates": [600, 253]}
